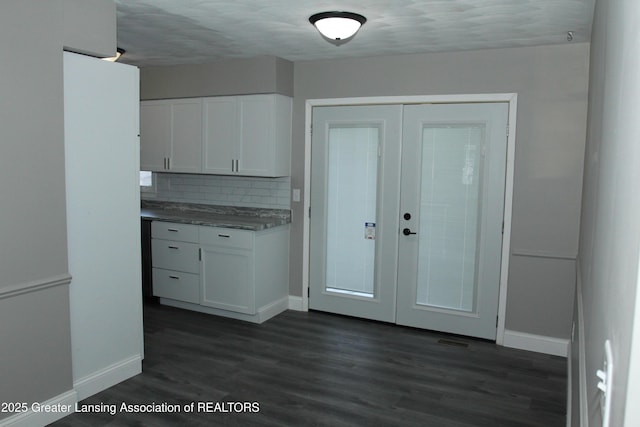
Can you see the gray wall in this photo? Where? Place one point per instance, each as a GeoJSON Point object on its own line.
{"type": "Point", "coordinates": [32, 161]}
{"type": "Point", "coordinates": [551, 82]}
{"type": "Point", "coordinates": [90, 27]}
{"type": "Point", "coordinates": [35, 363]}
{"type": "Point", "coordinates": [610, 230]}
{"type": "Point", "coordinates": [235, 77]}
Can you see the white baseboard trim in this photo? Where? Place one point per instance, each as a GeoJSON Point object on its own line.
{"type": "Point", "coordinates": [296, 303]}
{"type": "Point", "coordinates": [271, 310]}
{"type": "Point", "coordinates": [44, 413]}
{"type": "Point", "coordinates": [537, 343]}
{"type": "Point", "coordinates": [263, 314]}
{"type": "Point", "coordinates": [108, 377]}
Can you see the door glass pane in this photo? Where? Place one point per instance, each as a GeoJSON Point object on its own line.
{"type": "Point", "coordinates": [449, 215]}
{"type": "Point", "coordinates": [352, 177]}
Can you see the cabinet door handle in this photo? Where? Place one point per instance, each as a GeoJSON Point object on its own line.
{"type": "Point", "coordinates": [174, 277]}
{"type": "Point", "coordinates": [174, 247]}
{"type": "Point", "coordinates": [232, 167]}
{"type": "Point", "coordinates": [237, 168]}
{"type": "Point", "coordinates": [172, 229]}
{"type": "Point", "coordinates": [226, 236]}
{"type": "Point", "coordinates": [169, 163]}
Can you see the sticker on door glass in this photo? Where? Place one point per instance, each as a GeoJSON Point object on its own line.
{"type": "Point", "coordinates": [370, 230]}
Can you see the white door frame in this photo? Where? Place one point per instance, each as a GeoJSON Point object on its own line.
{"type": "Point", "coordinates": [511, 98]}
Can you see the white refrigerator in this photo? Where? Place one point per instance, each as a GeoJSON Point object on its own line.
{"type": "Point", "coordinates": [101, 108]}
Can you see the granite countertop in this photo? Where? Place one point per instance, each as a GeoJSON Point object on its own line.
{"type": "Point", "coordinates": [253, 219]}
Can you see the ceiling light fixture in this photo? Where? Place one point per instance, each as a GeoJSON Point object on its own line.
{"type": "Point", "coordinates": [119, 53]}
{"type": "Point", "coordinates": [337, 27]}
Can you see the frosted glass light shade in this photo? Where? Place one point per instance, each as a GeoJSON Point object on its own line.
{"type": "Point", "coordinates": [119, 53]}
{"type": "Point", "coordinates": [337, 25]}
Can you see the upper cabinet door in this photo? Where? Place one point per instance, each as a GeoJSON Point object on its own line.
{"type": "Point", "coordinates": [220, 135]}
{"type": "Point", "coordinates": [171, 135]}
{"type": "Point", "coordinates": [155, 135]}
{"type": "Point", "coordinates": [265, 135]}
{"type": "Point", "coordinates": [186, 136]}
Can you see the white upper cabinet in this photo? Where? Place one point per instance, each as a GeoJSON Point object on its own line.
{"type": "Point", "coordinates": [171, 135]}
{"type": "Point", "coordinates": [186, 123]}
{"type": "Point", "coordinates": [220, 135]}
{"type": "Point", "coordinates": [155, 135]}
{"type": "Point", "coordinates": [247, 135]}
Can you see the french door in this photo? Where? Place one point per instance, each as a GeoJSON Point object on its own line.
{"type": "Point", "coordinates": [407, 207]}
{"type": "Point", "coordinates": [354, 210]}
{"type": "Point", "coordinates": [453, 181]}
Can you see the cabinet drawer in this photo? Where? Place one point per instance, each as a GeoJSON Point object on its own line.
{"type": "Point", "coordinates": [176, 285]}
{"type": "Point", "coordinates": [174, 231]}
{"type": "Point", "coordinates": [226, 237]}
{"type": "Point", "coordinates": [170, 255]}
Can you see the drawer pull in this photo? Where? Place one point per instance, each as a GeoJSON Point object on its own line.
{"type": "Point", "coordinates": [226, 236]}
{"type": "Point", "coordinates": [172, 229]}
{"type": "Point", "coordinates": [174, 277]}
{"type": "Point", "coordinates": [174, 247]}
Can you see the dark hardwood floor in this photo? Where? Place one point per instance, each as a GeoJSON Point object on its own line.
{"type": "Point", "coordinates": [317, 369]}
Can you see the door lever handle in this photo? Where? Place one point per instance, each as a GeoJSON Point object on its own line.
{"type": "Point", "coordinates": [407, 231]}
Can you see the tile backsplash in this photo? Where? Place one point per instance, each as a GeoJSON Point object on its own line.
{"type": "Point", "coordinates": [240, 191]}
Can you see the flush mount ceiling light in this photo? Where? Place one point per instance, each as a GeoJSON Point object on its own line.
{"type": "Point", "coordinates": [337, 27]}
{"type": "Point", "coordinates": [119, 53]}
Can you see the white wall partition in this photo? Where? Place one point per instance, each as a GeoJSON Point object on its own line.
{"type": "Point", "coordinates": [103, 227]}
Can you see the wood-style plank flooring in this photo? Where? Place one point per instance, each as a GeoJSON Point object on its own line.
{"type": "Point", "coordinates": [318, 369]}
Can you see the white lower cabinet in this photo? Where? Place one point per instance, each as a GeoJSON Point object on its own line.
{"type": "Point", "coordinates": [175, 261]}
{"type": "Point", "coordinates": [176, 285]}
{"type": "Point", "coordinates": [227, 279]}
{"type": "Point", "coordinates": [172, 255]}
{"type": "Point", "coordinates": [237, 273]}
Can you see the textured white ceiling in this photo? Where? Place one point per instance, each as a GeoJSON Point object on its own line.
{"type": "Point", "coordinates": [167, 32]}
